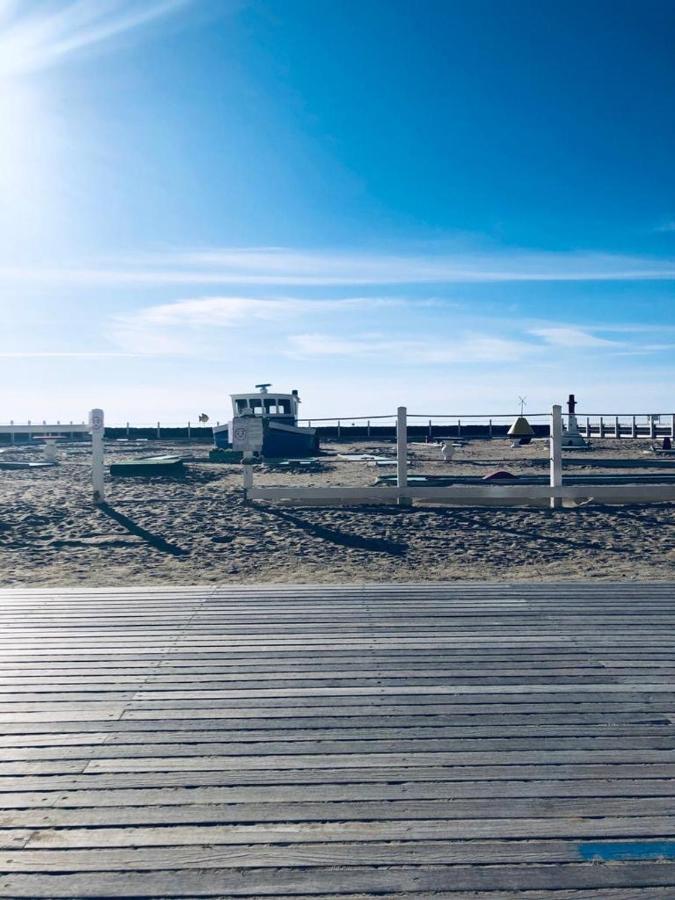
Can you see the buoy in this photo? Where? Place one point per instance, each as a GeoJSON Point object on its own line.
{"type": "Point", "coordinates": [520, 428]}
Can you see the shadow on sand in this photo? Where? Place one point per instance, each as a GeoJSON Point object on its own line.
{"type": "Point", "coordinates": [342, 538]}
{"type": "Point", "coordinates": [154, 540]}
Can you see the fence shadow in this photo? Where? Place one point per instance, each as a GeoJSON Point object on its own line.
{"type": "Point", "coordinates": [154, 540]}
{"type": "Point", "coordinates": [342, 538]}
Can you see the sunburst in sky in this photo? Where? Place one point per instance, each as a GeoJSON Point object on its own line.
{"type": "Point", "coordinates": [456, 202]}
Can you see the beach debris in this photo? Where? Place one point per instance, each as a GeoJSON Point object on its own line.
{"type": "Point", "coordinates": [222, 455]}
{"type": "Point", "coordinates": [661, 451]}
{"type": "Point", "coordinates": [45, 464]}
{"type": "Point", "coordinates": [412, 479]}
{"type": "Point", "coordinates": [366, 457]}
{"type": "Point", "coordinates": [312, 464]}
{"type": "Point", "coordinates": [148, 466]}
{"type": "Point", "coordinates": [203, 418]}
{"type": "Point", "coordinates": [447, 451]}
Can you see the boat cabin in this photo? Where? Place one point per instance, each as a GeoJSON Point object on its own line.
{"type": "Point", "coordinates": [279, 407]}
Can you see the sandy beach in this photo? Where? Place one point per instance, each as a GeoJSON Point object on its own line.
{"type": "Point", "coordinates": [197, 530]}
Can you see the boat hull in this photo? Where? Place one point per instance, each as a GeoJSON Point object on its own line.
{"type": "Point", "coordinates": [279, 439]}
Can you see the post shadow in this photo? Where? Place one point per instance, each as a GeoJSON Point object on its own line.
{"type": "Point", "coordinates": [343, 539]}
{"type": "Point", "coordinates": [154, 540]}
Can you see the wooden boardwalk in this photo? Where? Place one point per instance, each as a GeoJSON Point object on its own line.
{"type": "Point", "coordinates": [458, 741]}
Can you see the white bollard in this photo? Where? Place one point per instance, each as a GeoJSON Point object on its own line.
{"type": "Point", "coordinates": [555, 445]}
{"type": "Point", "coordinates": [97, 428]}
{"type": "Point", "coordinates": [50, 450]}
{"type": "Point", "coordinates": [402, 452]}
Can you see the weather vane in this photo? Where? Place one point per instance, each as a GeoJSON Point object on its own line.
{"type": "Point", "coordinates": [523, 403]}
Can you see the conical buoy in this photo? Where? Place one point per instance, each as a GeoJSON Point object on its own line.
{"type": "Point", "coordinates": [520, 428]}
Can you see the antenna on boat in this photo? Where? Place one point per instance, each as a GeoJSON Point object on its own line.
{"type": "Point", "coordinates": [263, 387]}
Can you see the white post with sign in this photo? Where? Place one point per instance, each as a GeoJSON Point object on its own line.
{"type": "Point", "coordinates": [97, 427]}
{"type": "Point", "coordinates": [247, 438]}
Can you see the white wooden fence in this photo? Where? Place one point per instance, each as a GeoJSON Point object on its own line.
{"type": "Point", "coordinates": [402, 494]}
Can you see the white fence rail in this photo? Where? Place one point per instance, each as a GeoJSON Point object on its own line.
{"type": "Point", "coordinates": [402, 494]}
{"type": "Point", "coordinates": [470, 494]}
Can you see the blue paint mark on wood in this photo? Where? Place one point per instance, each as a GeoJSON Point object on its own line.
{"type": "Point", "coordinates": [617, 850]}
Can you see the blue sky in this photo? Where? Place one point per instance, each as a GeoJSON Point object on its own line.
{"type": "Point", "coordinates": [443, 204]}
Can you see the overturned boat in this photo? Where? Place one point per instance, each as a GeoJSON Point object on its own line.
{"type": "Point", "coordinates": [266, 424]}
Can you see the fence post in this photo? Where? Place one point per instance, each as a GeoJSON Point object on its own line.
{"type": "Point", "coordinates": [97, 429]}
{"type": "Point", "coordinates": [490, 430]}
{"type": "Point", "coordinates": [602, 427]}
{"type": "Point", "coordinates": [633, 428]}
{"type": "Point", "coordinates": [402, 453]}
{"type": "Point", "coordinates": [368, 428]}
{"type": "Point", "coordinates": [159, 432]}
{"type": "Point", "coordinates": [617, 427]}
{"type": "Point", "coordinates": [588, 427]}
{"type": "Point", "coordinates": [128, 431]}
{"type": "Point", "coordinates": [247, 466]}
{"type": "Point", "coordinates": [189, 434]}
{"type": "Point", "coordinates": [430, 432]}
{"type": "Point", "coordinates": [555, 447]}
{"type": "Point", "coordinates": [338, 430]}
{"type": "Point", "coordinates": [459, 428]}
{"type": "Point", "coordinates": [672, 426]}
{"type": "Point", "coordinates": [652, 426]}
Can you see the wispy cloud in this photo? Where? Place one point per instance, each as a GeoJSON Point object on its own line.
{"type": "Point", "coordinates": [666, 227]}
{"type": "Point", "coordinates": [362, 327]}
{"type": "Point", "coordinates": [62, 354]}
{"type": "Point", "coordinates": [571, 337]}
{"type": "Point", "coordinates": [464, 348]}
{"type": "Point", "coordinates": [174, 327]}
{"type": "Point", "coordinates": [50, 34]}
{"type": "Point", "coordinates": [223, 311]}
{"type": "Point", "coordinates": [284, 267]}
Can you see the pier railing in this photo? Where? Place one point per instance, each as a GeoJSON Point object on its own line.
{"type": "Point", "coordinates": [453, 425]}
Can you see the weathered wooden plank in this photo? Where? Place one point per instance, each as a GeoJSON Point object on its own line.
{"type": "Point", "coordinates": [362, 745]}
{"type": "Point", "coordinates": [342, 729]}
{"type": "Point", "coordinates": [132, 827]}
{"type": "Point", "coordinates": [189, 679]}
{"type": "Point", "coordinates": [354, 853]}
{"type": "Point", "coordinates": [111, 795]}
{"type": "Point", "coordinates": [272, 882]}
{"type": "Point", "coordinates": [558, 808]}
{"type": "Point", "coordinates": [601, 718]}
